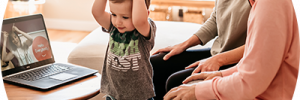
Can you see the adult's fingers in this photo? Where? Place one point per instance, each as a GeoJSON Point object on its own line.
{"type": "Point", "coordinates": [167, 49]}
{"type": "Point", "coordinates": [214, 74]}
{"type": "Point", "coordinates": [171, 94]}
{"type": "Point", "coordinates": [169, 55]}
{"type": "Point", "coordinates": [204, 70]}
{"type": "Point", "coordinates": [176, 98]}
{"type": "Point", "coordinates": [209, 77]}
{"type": "Point", "coordinates": [157, 52]}
{"type": "Point", "coordinates": [198, 69]}
{"type": "Point", "coordinates": [210, 68]}
{"type": "Point", "coordinates": [195, 64]}
{"type": "Point", "coordinates": [195, 77]}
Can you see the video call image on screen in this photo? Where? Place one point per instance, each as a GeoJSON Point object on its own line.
{"type": "Point", "coordinates": [23, 43]}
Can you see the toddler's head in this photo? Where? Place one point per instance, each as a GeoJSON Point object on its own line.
{"type": "Point", "coordinates": [121, 11]}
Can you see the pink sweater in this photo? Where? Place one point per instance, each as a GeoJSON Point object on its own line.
{"type": "Point", "coordinates": [269, 67]}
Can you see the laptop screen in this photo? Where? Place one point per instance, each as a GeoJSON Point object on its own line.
{"type": "Point", "coordinates": [24, 44]}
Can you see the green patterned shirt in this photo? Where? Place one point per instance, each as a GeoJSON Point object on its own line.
{"type": "Point", "coordinates": [127, 72]}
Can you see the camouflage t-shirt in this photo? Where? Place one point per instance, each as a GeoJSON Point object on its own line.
{"type": "Point", "coordinates": [127, 73]}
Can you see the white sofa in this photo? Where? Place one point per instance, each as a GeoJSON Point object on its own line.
{"type": "Point", "coordinates": [91, 50]}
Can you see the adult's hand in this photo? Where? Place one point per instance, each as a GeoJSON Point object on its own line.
{"type": "Point", "coordinates": [179, 48]}
{"type": "Point", "coordinates": [202, 76]}
{"type": "Point", "coordinates": [173, 50]}
{"type": "Point", "coordinates": [183, 92]}
{"type": "Point", "coordinates": [209, 64]}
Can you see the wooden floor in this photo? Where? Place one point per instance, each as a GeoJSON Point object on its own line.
{"type": "Point", "coordinates": [66, 35]}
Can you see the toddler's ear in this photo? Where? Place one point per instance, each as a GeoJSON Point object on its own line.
{"type": "Point", "coordinates": [148, 12]}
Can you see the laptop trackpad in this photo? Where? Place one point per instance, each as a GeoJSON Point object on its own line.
{"type": "Point", "coordinates": [63, 76]}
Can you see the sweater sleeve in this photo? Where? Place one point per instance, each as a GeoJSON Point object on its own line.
{"type": "Point", "coordinates": [229, 71]}
{"type": "Point", "coordinates": [209, 29]}
{"type": "Point", "coordinates": [266, 46]}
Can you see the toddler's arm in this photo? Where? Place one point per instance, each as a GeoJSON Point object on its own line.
{"type": "Point", "coordinates": [140, 17]}
{"type": "Point", "coordinates": [102, 17]}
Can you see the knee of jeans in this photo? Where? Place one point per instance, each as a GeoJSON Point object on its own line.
{"type": "Point", "coordinates": [170, 82]}
{"type": "Point", "coordinates": [170, 78]}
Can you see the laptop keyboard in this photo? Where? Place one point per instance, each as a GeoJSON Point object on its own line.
{"type": "Point", "coordinates": [42, 72]}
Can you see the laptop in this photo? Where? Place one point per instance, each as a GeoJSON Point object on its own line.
{"type": "Point", "coordinates": [27, 58]}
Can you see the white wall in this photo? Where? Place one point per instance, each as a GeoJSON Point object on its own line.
{"type": "Point", "coordinates": [69, 15]}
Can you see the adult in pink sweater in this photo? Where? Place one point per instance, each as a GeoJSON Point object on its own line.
{"type": "Point", "coordinates": [270, 63]}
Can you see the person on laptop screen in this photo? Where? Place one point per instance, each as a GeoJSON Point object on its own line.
{"type": "Point", "coordinates": [20, 47]}
{"type": "Point", "coordinates": [5, 55]}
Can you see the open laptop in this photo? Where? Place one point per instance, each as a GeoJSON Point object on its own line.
{"type": "Point", "coordinates": [27, 58]}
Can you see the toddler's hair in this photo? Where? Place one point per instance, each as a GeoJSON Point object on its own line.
{"type": "Point", "coordinates": [120, 1]}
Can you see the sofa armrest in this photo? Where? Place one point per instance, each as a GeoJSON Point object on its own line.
{"type": "Point", "coordinates": [91, 50]}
